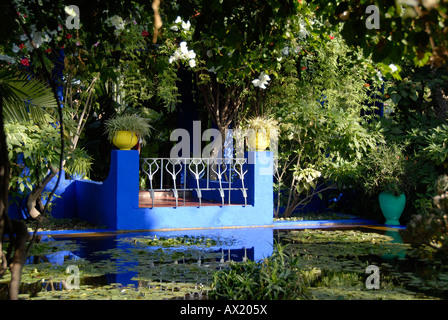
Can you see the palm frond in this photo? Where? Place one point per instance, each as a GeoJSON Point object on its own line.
{"type": "Point", "coordinates": [25, 99]}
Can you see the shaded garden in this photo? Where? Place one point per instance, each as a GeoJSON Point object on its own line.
{"type": "Point", "coordinates": [358, 110]}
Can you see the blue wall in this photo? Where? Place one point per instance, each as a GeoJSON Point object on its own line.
{"type": "Point", "coordinates": [114, 203]}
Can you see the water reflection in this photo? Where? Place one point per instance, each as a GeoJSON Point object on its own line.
{"type": "Point", "coordinates": [119, 261]}
{"type": "Point", "coordinates": [127, 264]}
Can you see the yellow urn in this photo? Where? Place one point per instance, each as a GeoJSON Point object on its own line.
{"type": "Point", "coordinates": [259, 142]}
{"type": "Point", "coordinates": [125, 140]}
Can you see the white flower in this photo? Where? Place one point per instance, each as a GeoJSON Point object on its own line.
{"type": "Point", "coordinates": [303, 33]}
{"type": "Point", "coordinates": [70, 11]}
{"type": "Point", "coordinates": [297, 49]}
{"type": "Point", "coordinates": [393, 67]}
{"type": "Point", "coordinates": [117, 22]}
{"type": "Point", "coordinates": [37, 37]}
{"type": "Point", "coordinates": [191, 54]}
{"type": "Point", "coordinates": [46, 37]}
{"type": "Point", "coordinates": [174, 28]}
{"type": "Point", "coordinates": [182, 53]}
{"type": "Point", "coordinates": [379, 75]}
{"type": "Point", "coordinates": [178, 20]}
{"type": "Point", "coordinates": [209, 53]}
{"type": "Point", "coordinates": [177, 55]}
{"type": "Point", "coordinates": [186, 25]}
{"type": "Point", "coordinates": [261, 81]}
{"type": "Point", "coordinates": [285, 50]}
{"type": "Point", "coordinates": [183, 47]}
{"type": "Point", "coordinates": [15, 48]}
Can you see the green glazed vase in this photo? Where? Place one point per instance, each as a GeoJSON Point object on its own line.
{"type": "Point", "coordinates": [392, 207]}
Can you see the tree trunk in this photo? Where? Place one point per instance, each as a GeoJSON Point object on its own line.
{"type": "Point", "coordinates": [222, 103]}
{"type": "Point", "coordinates": [36, 195]}
{"type": "Point", "coordinates": [4, 185]}
{"type": "Point", "coordinates": [17, 230]}
{"type": "Point", "coordinates": [16, 266]}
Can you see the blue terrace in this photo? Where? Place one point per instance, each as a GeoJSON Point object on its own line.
{"type": "Point", "coordinates": [241, 194]}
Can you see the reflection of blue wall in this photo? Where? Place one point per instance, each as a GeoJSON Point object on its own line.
{"type": "Point", "coordinates": [114, 203]}
{"type": "Point", "coordinates": [257, 243]}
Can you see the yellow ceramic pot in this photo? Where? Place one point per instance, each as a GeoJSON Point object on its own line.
{"type": "Point", "coordinates": [259, 142]}
{"type": "Point", "coordinates": [125, 140]}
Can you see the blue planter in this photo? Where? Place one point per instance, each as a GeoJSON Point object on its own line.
{"type": "Point", "coordinates": [392, 207]}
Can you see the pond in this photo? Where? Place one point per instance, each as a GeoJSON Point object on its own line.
{"type": "Point", "coordinates": [181, 264]}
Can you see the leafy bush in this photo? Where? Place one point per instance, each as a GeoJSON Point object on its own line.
{"type": "Point", "coordinates": [385, 169]}
{"type": "Point", "coordinates": [432, 229]}
{"type": "Point", "coordinates": [275, 278]}
{"type": "Point", "coordinates": [318, 100]}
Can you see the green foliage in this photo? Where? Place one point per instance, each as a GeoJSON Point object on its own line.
{"type": "Point", "coordinates": [432, 229]}
{"type": "Point", "coordinates": [79, 162]}
{"type": "Point", "coordinates": [238, 40]}
{"type": "Point", "coordinates": [167, 242]}
{"type": "Point", "coordinates": [34, 152]}
{"type": "Point", "coordinates": [414, 30]}
{"type": "Point", "coordinates": [38, 147]}
{"type": "Point", "coordinates": [436, 140]}
{"type": "Point", "coordinates": [416, 92]}
{"type": "Point", "coordinates": [128, 122]}
{"type": "Point", "coordinates": [275, 278]}
{"type": "Point", "coordinates": [318, 100]}
{"type": "Point", "coordinates": [260, 123]}
{"type": "Point", "coordinates": [24, 98]}
{"type": "Point", "coordinates": [417, 120]}
{"type": "Point", "coordinates": [385, 169]}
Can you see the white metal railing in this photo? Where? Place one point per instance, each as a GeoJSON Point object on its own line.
{"type": "Point", "coordinates": [182, 175]}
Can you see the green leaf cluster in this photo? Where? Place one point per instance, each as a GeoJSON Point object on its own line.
{"type": "Point", "coordinates": [274, 278]}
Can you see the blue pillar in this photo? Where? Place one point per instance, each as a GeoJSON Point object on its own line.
{"type": "Point", "coordinates": [123, 179]}
{"type": "Point", "coordinates": [260, 181]}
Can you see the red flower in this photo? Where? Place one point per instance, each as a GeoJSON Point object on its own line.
{"type": "Point", "coordinates": [48, 50]}
{"type": "Point", "coordinates": [145, 33]}
{"type": "Point", "coordinates": [25, 62]}
{"type": "Point", "coordinates": [69, 35]}
{"type": "Point", "coordinates": [366, 85]}
{"type": "Point", "coordinates": [21, 46]}
{"type": "Point", "coordinates": [331, 37]}
{"type": "Point", "coordinates": [303, 68]}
